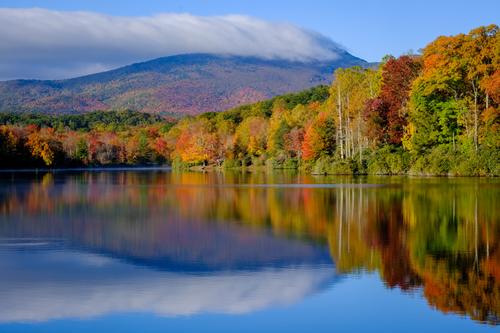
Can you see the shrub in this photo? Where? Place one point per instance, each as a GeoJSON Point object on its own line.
{"type": "Point", "coordinates": [258, 161]}
{"type": "Point", "coordinates": [419, 165]}
{"type": "Point", "coordinates": [441, 159]}
{"type": "Point", "coordinates": [340, 167]}
{"type": "Point", "coordinates": [485, 162]}
{"type": "Point", "coordinates": [231, 163]}
{"type": "Point", "coordinates": [489, 160]}
{"type": "Point", "coordinates": [320, 167]}
{"type": "Point", "coordinates": [287, 163]}
{"type": "Point", "coordinates": [388, 160]}
{"type": "Point", "coordinates": [179, 165]}
{"type": "Point", "coordinates": [291, 163]}
{"type": "Point", "coordinates": [327, 165]}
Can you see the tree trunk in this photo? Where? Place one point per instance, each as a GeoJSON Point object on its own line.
{"type": "Point", "coordinates": [359, 136]}
{"type": "Point", "coordinates": [348, 139]}
{"type": "Point", "coordinates": [339, 109]}
{"type": "Point", "coordinates": [475, 115]}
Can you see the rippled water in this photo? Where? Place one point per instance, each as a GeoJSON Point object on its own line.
{"type": "Point", "coordinates": [155, 251]}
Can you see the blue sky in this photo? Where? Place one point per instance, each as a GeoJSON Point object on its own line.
{"type": "Point", "coordinates": [55, 39]}
{"type": "Point", "coordinates": [368, 29]}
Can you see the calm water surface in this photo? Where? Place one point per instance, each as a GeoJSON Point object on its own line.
{"type": "Point", "coordinates": [155, 251]}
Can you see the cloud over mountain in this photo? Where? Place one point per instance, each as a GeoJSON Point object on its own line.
{"type": "Point", "coordinates": [40, 43]}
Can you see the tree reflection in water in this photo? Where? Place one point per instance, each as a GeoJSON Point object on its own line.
{"type": "Point", "coordinates": [440, 235]}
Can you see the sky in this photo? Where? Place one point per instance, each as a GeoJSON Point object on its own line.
{"type": "Point", "coordinates": [56, 42]}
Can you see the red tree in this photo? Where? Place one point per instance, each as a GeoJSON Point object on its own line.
{"type": "Point", "coordinates": [387, 114]}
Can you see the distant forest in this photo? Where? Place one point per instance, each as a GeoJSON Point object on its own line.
{"type": "Point", "coordinates": [434, 114]}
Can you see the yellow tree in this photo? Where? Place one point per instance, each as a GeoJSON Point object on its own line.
{"type": "Point", "coordinates": [350, 90]}
{"type": "Point", "coordinates": [44, 144]}
{"type": "Point", "coordinates": [196, 143]}
{"type": "Point", "coordinates": [251, 135]}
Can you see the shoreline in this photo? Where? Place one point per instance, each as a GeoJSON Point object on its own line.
{"type": "Point", "coordinates": [97, 169]}
{"type": "Point", "coordinates": [265, 169]}
{"type": "Point", "coordinates": [247, 169]}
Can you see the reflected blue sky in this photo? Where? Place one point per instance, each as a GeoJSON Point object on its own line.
{"type": "Point", "coordinates": [57, 291]}
{"type": "Point", "coordinates": [352, 304]}
{"type": "Point", "coordinates": [46, 285]}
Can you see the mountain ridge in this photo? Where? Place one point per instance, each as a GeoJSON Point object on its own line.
{"type": "Point", "coordinates": [174, 85]}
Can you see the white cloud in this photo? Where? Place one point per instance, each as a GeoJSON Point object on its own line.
{"type": "Point", "coordinates": [40, 43]}
{"type": "Point", "coordinates": [48, 285]}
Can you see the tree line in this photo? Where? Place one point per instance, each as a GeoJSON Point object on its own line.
{"type": "Point", "coordinates": [433, 113]}
{"type": "Point", "coordinates": [99, 138]}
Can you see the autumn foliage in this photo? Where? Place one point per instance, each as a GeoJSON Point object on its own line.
{"type": "Point", "coordinates": [434, 113]}
{"type": "Point", "coordinates": [387, 114]}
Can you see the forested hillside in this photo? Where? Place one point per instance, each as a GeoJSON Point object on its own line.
{"type": "Point", "coordinates": [434, 113]}
{"type": "Point", "coordinates": [181, 85]}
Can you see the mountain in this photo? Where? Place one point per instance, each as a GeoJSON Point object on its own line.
{"type": "Point", "coordinates": [175, 85]}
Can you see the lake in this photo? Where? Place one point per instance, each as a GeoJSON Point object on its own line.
{"type": "Point", "coordinates": [157, 251]}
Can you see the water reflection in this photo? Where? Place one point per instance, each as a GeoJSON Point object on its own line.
{"type": "Point", "coordinates": [179, 241]}
{"type": "Point", "coordinates": [44, 285]}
